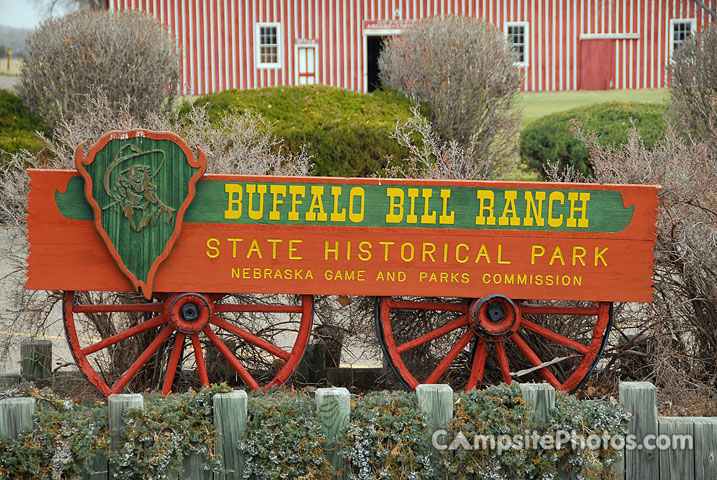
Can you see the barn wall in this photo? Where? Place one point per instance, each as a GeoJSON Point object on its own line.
{"type": "Point", "coordinates": [217, 36]}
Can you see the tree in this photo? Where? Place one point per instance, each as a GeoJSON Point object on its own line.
{"type": "Point", "coordinates": [123, 55]}
{"type": "Point", "coordinates": [464, 71]}
{"type": "Point", "coordinates": [693, 82]}
{"type": "Point", "coordinates": [709, 6]}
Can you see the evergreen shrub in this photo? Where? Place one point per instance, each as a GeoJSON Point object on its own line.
{"type": "Point", "coordinates": [550, 139]}
{"type": "Point", "coordinates": [346, 132]}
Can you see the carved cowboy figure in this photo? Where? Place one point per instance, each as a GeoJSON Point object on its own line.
{"type": "Point", "coordinates": [134, 189]}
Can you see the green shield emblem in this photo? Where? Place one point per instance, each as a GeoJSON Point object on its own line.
{"type": "Point", "coordinates": [139, 183]}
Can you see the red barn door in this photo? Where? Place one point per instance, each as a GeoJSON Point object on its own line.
{"type": "Point", "coordinates": [597, 64]}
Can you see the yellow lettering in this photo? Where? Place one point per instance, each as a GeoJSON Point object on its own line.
{"type": "Point", "coordinates": [336, 215]}
{"type": "Point", "coordinates": [233, 210]}
{"type": "Point", "coordinates": [573, 197]}
{"type": "Point", "coordinates": [428, 253]}
{"type": "Point", "coordinates": [429, 218]}
{"type": "Point", "coordinates": [316, 204]}
{"type": "Point", "coordinates": [536, 251]}
{"type": "Point", "coordinates": [365, 251]}
{"type": "Point", "coordinates": [335, 250]}
{"type": "Point", "coordinates": [413, 195]}
{"type": "Point", "coordinates": [213, 247]}
{"type": "Point", "coordinates": [460, 259]}
{"type": "Point", "coordinates": [599, 255]}
{"type": "Point", "coordinates": [292, 250]}
{"type": "Point", "coordinates": [273, 242]}
{"type": "Point", "coordinates": [276, 190]}
{"type": "Point", "coordinates": [536, 209]}
{"type": "Point", "coordinates": [578, 254]}
{"type": "Point", "coordinates": [500, 255]}
{"type": "Point", "coordinates": [356, 192]}
{"type": "Point", "coordinates": [486, 200]}
{"type": "Point", "coordinates": [446, 219]}
{"type": "Point", "coordinates": [483, 253]}
{"type": "Point", "coordinates": [555, 222]}
{"type": "Point", "coordinates": [395, 205]}
{"type": "Point", "coordinates": [251, 189]}
{"type": "Point", "coordinates": [254, 248]}
{"type": "Point", "coordinates": [385, 250]}
{"type": "Point", "coordinates": [557, 255]}
{"type": "Point", "coordinates": [234, 245]}
{"type": "Point", "coordinates": [296, 191]}
{"type": "Point", "coordinates": [510, 208]}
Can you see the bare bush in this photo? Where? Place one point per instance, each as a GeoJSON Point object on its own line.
{"type": "Point", "coordinates": [128, 56]}
{"type": "Point", "coordinates": [693, 82]}
{"type": "Point", "coordinates": [671, 341]}
{"type": "Point", "coordinates": [463, 69]}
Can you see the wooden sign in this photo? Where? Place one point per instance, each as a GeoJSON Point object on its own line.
{"type": "Point", "coordinates": [352, 236]}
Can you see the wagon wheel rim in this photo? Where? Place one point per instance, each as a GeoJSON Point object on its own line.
{"type": "Point", "coordinates": [477, 345]}
{"type": "Point", "coordinates": [171, 319]}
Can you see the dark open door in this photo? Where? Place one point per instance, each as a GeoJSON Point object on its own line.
{"type": "Point", "coordinates": [597, 65]}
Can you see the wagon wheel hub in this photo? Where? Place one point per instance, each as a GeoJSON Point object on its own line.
{"type": "Point", "coordinates": [493, 317]}
{"type": "Point", "coordinates": [190, 312]}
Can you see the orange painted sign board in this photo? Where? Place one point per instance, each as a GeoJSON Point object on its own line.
{"type": "Point", "coordinates": [357, 236]}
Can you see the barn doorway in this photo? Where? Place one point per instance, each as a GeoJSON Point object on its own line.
{"type": "Point", "coordinates": [374, 45]}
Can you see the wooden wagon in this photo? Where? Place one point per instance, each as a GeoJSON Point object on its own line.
{"type": "Point", "coordinates": [499, 268]}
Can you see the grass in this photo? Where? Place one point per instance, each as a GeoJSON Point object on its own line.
{"type": "Point", "coordinates": [537, 105]}
{"type": "Point", "coordinates": [13, 69]}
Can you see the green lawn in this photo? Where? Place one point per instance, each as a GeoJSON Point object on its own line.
{"type": "Point", "coordinates": [536, 105]}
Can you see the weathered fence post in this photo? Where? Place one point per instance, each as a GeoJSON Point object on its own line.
{"type": "Point", "coordinates": [705, 443]}
{"type": "Point", "coordinates": [36, 357]}
{"type": "Point", "coordinates": [676, 461]}
{"type": "Point", "coordinates": [230, 416]}
{"type": "Point", "coordinates": [640, 398]}
{"type": "Point", "coordinates": [16, 416]}
{"type": "Point", "coordinates": [541, 398]}
{"type": "Point", "coordinates": [436, 401]}
{"type": "Point", "coordinates": [118, 404]}
{"type": "Point", "coordinates": [334, 408]}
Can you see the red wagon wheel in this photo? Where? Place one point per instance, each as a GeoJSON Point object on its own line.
{"type": "Point", "coordinates": [116, 341]}
{"type": "Point", "coordinates": [477, 341]}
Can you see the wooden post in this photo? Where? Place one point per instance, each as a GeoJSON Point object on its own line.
{"type": "Point", "coordinates": [678, 461]}
{"type": "Point", "coordinates": [16, 416]}
{"type": "Point", "coordinates": [193, 468]}
{"type": "Point", "coordinates": [230, 416]}
{"type": "Point", "coordinates": [334, 409]}
{"type": "Point", "coordinates": [541, 398]}
{"type": "Point", "coordinates": [118, 405]}
{"type": "Point", "coordinates": [705, 443]}
{"type": "Point", "coordinates": [36, 357]}
{"type": "Point", "coordinates": [640, 398]}
{"type": "Point", "coordinates": [436, 401]}
{"type": "Point", "coordinates": [312, 368]}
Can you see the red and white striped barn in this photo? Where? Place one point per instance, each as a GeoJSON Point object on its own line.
{"type": "Point", "coordinates": [565, 44]}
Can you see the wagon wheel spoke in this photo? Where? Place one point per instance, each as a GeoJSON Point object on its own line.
{"type": "Point", "coordinates": [142, 359]}
{"type": "Point", "coordinates": [232, 359]}
{"type": "Point", "coordinates": [434, 334]}
{"type": "Point", "coordinates": [535, 360]}
{"type": "Point", "coordinates": [503, 361]}
{"type": "Point", "coordinates": [199, 359]}
{"type": "Point", "coordinates": [450, 357]}
{"type": "Point", "coordinates": [561, 339]}
{"type": "Point", "coordinates": [173, 362]}
{"type": "Point", "coordinates": [478, 366]}
{"type": "Point", "coordinates": [251, 338]}
{"type": "Point", "coordinates": [125, 334]}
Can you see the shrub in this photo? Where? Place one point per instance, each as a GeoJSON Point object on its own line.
{"type": "Point", "coordinates": [693, 82]}
{"type": "Point", "coordinates": [678, 330]}
{"type": "Point", "coordinates": [386, 437]}
{"type": "Point", "coordinates": [550, 139]}
{"type": "Point", "coordinates": [128, 56]}
{"type": "Point", "coordinates": [347, 133]}
{"type": "Point", "coordinates": [463, 69]}
{"type": "Point", "coordinates": [18, 126]}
